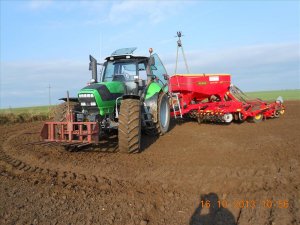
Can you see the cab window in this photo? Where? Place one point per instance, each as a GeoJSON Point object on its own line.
{"type": "Point", "coordinates": [158, 69]}
{"type": "Point", "coordinates": [122, 71]}
{"type": "Point", "coordinates": [142, 71]}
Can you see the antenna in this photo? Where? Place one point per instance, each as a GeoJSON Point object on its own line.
{"type": "Point", "coordinates": [179, 45]}
{"type": "Point", "coordinates": [101, 45]}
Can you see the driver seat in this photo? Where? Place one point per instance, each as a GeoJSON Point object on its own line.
{"type": "Point", "coordinates": [120, 78]}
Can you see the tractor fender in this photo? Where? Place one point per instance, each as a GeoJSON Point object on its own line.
{"type": "Point", "coordinates": [151, 105]}
{"type": "Point", "coordinates": [131, 97]}
{"type": "Point", "coordinates": [71, 99]}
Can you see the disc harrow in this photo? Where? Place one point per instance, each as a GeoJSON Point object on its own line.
{"type": "Point", "coordinates": [212, 98]}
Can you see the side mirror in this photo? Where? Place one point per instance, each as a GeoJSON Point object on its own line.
{"type": "Point", "coordinates": [93, 63]}
{"type": "Point", "coordinates": [93, 67]}
{"type": "Point", "coordinates": [151, 61]}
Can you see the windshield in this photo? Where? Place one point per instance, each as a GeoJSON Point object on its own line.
{"type": "Point", "coordinates": [120, 71]}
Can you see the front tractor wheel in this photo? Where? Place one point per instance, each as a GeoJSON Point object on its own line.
{"type": "Point", "coordinates": [163, 114]}
{"type": "Point", "coordinates": [60, 112]}
{"type": "Point", "coordinates": [129, 132]}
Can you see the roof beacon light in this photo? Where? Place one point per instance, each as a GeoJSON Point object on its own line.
{"type": "Point", "coordinates": [150, 50]}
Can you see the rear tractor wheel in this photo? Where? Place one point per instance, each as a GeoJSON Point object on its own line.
{"type": "Point", "coordinates": [129, 132]}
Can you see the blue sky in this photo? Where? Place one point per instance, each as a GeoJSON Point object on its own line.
{"type": "Point", "coordinates": [48, 42]}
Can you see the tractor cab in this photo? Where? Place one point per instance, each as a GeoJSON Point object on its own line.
{"type": "Point", "coordinates": [134, 71]}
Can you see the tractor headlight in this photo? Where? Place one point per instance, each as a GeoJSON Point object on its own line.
{"type": "Point", "coordinates": [83, 104]}
{"type": "Point", "coordinates": [86, 95]}
{"type": "Point", "coordinates": [93, 103]}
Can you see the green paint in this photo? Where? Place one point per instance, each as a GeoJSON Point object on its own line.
{"type": "Point", "coordinates": [153, 89]}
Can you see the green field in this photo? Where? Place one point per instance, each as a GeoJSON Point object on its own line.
{"type": "Point", "coordinates": [30, 110]}
{"type": "Point", "coordinates": [264, 95]}
{"type": "Point", "coordinates": [272, 95]}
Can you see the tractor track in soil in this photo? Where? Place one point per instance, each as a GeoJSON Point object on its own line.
{"type": "Point", "coordinates": [59, 175]}
{"type": "Point", "coordinates": [162, 185]}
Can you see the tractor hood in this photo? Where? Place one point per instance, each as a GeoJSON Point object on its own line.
{"type": "Point", "coordinates": [101, 97]}
{"type": "Point", "coordinates": [107, 91]}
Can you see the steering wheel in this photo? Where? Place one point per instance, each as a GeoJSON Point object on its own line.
{"type": "Point", "coordinates": [126, 75]}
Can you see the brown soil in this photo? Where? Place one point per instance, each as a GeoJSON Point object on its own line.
{"type": "Point", "coordinates": [180, 178]}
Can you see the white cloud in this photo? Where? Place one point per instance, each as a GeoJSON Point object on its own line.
{"type": "Point", "coordinates": [113, 12]}
{"type": "Point", "coordinates": [253, 68]}
{"type": "Point", "coordinates": [259, 67]}
{"type": "Point", "coordinates": [39, 4]}
{"type": "Point", "coordinates": [26, 83]}
{"type": "Point", "coordinates": [67, 6]}
{"type": "Point", "coordinates": [154, 11]}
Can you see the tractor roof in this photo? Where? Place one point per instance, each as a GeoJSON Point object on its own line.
{"type": "Point", "coordinates": [124, 53]}
{"type": "Point", "coordinates": [128, 57]}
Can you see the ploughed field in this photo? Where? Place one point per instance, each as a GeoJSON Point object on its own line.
{"type": "Point", "coordinates": [195, 174]}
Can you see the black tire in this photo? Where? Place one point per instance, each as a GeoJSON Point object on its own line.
{"type": "Point", "coordinates": [163, 114]}
{"type": "Point", "coordinates": [60, 111]}
{"type": "Point", "coordinates": [277, 114]}
{"type": "Point", "coordinates": [257, 119]}
{"type": "Point", "coordinates": [129, 131]}
{"type": "Point", "coordinates": [239, 117]}
{"type": "Point", "coordinates": [60, 114]}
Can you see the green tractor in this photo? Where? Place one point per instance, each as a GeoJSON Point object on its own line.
{"type": "Point", "coordinates": [131, 97]}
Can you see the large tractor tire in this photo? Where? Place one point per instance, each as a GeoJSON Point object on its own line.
{"type": "Point", "coordinates": [129, 132]}
{"type": "Point", "coordinates": [60, 114]}
{"type": "Point", "coordinates": [163, 114]}
{"type": "Point", "coordinates": [60, 111]}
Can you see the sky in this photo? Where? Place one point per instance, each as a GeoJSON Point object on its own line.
{"type": "Point", "coordinates": [48, 42]}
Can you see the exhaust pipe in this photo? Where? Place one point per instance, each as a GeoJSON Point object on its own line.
{"type": "Point", "coordinates": [93, 68]}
